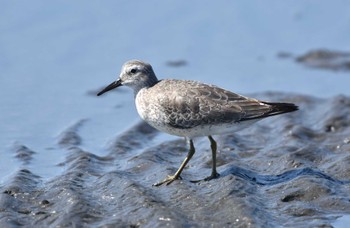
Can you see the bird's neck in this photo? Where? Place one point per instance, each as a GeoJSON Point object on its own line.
{"type": "Point", "coordinates": [149, 84]}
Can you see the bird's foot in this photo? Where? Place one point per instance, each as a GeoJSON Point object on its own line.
{"type": "Point", "coordinates": [212, 176]}
{"type": "Point", "coordinates": [168, 180]}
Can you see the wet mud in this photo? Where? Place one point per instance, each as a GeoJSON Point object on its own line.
{"type": "Point", "coordinates": [326, 59]}
{"type": "Point", "coordinates": [290, 170]}
{"type": "Point", "coordinates": [321, 59]}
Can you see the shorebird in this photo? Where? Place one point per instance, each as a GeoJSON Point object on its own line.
{"type": "Point", "coordinates": [191, 109]}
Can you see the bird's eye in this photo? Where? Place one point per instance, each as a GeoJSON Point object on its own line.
{"type": "Point", "coordinates": [133, 70]}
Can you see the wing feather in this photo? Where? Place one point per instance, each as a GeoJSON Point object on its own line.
{"type": "Point", "coordinates": [187, 104]}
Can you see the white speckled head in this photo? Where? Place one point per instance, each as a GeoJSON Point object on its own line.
{"type": "Point", "coordinates": [134, 74]}
{"type": "Point", "coordinates": [137, 75]}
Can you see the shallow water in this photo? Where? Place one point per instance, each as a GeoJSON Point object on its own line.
{"type": "Point", "coordinates": [289, 170]}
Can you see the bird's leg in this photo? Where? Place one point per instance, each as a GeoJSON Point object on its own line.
{"type": "Point", "coordinates": [169, 179]}
{"type": "Point", "coordinates": [214, 173]}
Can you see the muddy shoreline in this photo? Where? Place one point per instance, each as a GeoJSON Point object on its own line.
{"type": "Point", "coordinates": [290, 170]}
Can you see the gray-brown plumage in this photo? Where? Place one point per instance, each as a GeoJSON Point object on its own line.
{"type": "Point", "coordinates": [190, 108]}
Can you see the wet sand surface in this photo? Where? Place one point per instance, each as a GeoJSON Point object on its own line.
{"type": "Point", "coordinates": [289, 170]}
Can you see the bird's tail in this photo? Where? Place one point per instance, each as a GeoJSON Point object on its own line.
{"type": "Point", "coordinates": [280, 108]}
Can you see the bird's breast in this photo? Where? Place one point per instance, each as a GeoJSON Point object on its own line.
{"type": "Point", "coordinates": [148, 107]}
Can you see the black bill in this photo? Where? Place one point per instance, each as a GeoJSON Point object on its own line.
{"type": "Point", "coordinates": [111, 86]}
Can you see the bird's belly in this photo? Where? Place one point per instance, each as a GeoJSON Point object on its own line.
{"type": "Point", "coordinates": [215, 129]}
{"type": "Point", "coordinates": [201, 130]}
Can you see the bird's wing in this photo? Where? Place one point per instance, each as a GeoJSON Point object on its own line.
{"type": "Point", "coordinates": [191, 104]}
